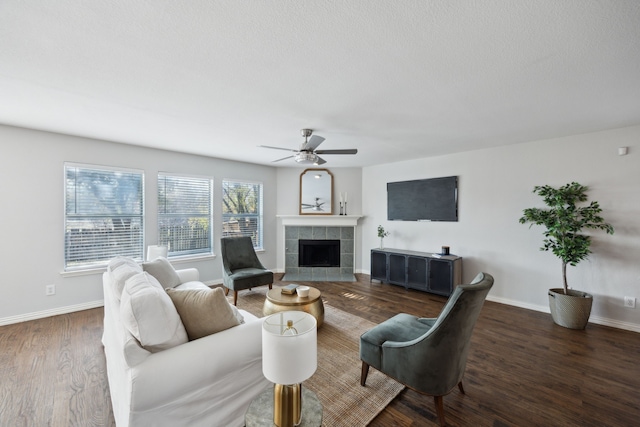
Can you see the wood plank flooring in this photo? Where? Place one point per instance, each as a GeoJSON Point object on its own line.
{"type": "Point", "coordinates": [53, 373]}
{"type": "Point", "coordinates": [522, 370]}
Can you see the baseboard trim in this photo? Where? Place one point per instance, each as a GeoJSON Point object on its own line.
{"type": "Point", "coordinates": [506, 301]}
{"type": "Point", "coordinates": [95, 304]}
{"type": "Point", "coordinates": [614, 323]}
{"type": "Point", "coordinates": [52, 312]}
{"type": "Point", "coordinates": [592, 319]}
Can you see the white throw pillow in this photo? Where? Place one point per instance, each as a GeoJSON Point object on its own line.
{"type": "Point", "coordinates": [161, 269]}
{"type": "Point", "coordinates": [149, 314]}
{"type": "Point", "coordinates": [120, 269]}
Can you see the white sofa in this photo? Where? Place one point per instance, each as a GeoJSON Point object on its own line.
{"type": "Point", "coordinates": [205, 382]}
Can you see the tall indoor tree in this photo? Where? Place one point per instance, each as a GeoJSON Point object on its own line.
{"type": "Point", "coordinates": [565, 220]}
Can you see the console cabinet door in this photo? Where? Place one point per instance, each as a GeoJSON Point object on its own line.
{"type": "Point", "coordinates": [397, 269]}
{"type": "Point", "coordinates": [379, 266]}
{"type": "Point", "coordinates": [417, 276]}
{"type": "Point", "coordinates": [440, 277]}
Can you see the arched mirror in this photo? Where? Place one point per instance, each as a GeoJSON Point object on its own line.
{"type": "Point", "coordinates": [316, 192]}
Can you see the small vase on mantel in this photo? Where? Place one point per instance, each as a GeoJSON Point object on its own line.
{"type": "Point", "coordinates": [382, 243]}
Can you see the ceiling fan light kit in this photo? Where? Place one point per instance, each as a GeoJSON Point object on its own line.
{"type": "Point", "coordinates": [307, 153]}
{"type": "Point", "coordinates": [306, 158]}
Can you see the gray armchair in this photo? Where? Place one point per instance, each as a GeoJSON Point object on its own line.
{"type": "Point", "coordinates": [428, 355]}
{"type": "Point", "coordinates": [241, 268]}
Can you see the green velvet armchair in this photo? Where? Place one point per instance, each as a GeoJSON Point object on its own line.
{"type": "Point", "coordinates": [428, 355]}
{"type": "Point", "coordinates": [241, 268]}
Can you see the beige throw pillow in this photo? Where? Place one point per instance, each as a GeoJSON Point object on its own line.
{"type": "Point", "coordinates": [203, 311]}
{"type": "Point", "coordinates": [161, 269]}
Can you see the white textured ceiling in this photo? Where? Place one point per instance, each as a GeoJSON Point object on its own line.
{"type": "Point", "coordinates": [394, 79]}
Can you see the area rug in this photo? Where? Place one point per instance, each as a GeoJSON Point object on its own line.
{"type": "Point", "coordinates": [337, 380]}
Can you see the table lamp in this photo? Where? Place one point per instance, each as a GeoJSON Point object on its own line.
{"type": "Point", "coordinates": [155, 251]}
{"type": "Point", "coordinates": [289, 356]}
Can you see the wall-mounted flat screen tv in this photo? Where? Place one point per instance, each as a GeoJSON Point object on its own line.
{"type": "Point", "coordinates": [434, 199]}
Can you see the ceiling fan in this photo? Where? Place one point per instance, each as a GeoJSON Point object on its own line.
{"type": "Point", "coordinates": [316, 207]}
{"type": "Point", "coordinates": [307, 154]}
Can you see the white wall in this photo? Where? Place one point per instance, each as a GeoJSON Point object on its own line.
{"type": "Point", "coordinates": [32, 228]}
{"type": "Point", "coordinates": [345, 180]}
{"type": "Point", "coordinates": [495, 185]}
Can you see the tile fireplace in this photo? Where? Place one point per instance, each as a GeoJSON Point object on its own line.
{"type": "Point", "coordinates": [319, 248]}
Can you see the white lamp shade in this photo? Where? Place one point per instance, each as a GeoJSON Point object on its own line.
{"type": "Point", "coordinates": [289, 359]}
{"type": "Point", "coordinates": [155, 251]}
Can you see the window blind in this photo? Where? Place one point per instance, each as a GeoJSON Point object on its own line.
{"type": "Point", "coordinates": [242, 210]}
{"type": "Point", "coordinates": [185, 214]}
{"type": "Point", "coordinates": [104, 215]}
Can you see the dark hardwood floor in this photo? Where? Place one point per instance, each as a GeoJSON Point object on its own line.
{"type": "Point", "coordinates": [522, 370]}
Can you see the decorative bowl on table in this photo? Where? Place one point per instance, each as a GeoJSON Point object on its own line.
{"type": "Point", "coordinates": [303, 291]}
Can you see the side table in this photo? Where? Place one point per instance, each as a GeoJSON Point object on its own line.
{"type": "Point", "coordinates": [260, 412]}
{"type": "Point", "coordinates": [276, 302]}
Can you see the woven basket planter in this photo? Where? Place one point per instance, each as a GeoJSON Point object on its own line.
{"type": "Point", "coordinates": [571, 310]}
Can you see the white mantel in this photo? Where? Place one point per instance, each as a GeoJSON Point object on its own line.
{"type": "Point", "coordinates": [321, 220]}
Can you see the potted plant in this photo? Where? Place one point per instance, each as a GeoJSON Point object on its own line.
{"type": "Point", "coordinates": [565, 219]}
{"type": "Point", "coordinates": [382, 234]}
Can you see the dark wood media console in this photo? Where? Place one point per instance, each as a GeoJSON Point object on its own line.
{"type": "Point", "coordinates": [417, 270]}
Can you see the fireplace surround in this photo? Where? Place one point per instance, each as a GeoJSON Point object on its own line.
{"type": "Point", "coordinates": [315, 227]}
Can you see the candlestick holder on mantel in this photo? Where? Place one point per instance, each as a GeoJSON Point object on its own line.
{"type": "Point", "coordinates": [343, 203]}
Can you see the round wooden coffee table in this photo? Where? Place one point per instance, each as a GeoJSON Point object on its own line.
{"type": "Point", "coordinates": [277, 301]}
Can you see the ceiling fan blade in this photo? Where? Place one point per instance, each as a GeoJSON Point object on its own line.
{"type": "Point", "coordinates": [277, 148]}
{"type": "Point", "coordinates": [345, 151]}
{"type": "Point", "coordinates": [313, 143]}
{"type": "Point", "coordinates": [320, 161]}
{"type": "Point", "coordinates": [284, 158]}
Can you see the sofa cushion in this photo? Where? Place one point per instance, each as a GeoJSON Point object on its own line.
{"type": "Point", "coordinates": [204, 311]}
{"type": "Point", "coordinates": [149, 315]}
{"type": "Point", "coordinates": [120, 269]}
{"type": "Point", "coordinates": [161, 269]}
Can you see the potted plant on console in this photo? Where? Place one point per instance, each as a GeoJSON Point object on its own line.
{"type": "Point", "coordinates": [565, 219]}
{"type": "Point", "coordinates": [382, 234]}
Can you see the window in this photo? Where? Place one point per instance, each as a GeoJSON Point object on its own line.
{"type": "Point", "coordinates": [184, 214]}
{"type": "Point", "coordinates": [242, 210]}
{"type": "Point", "coordinates": [104, 215]}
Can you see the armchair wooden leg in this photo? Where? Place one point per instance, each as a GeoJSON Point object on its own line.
{"type": "Point", "coordinates": [440, 409]}
{"type": "Point", "coordinates": [460, 387]}
{"type": "Point", "coordinates": [364, 373]}
{"type": "Point", "coordinates": [235, 297]}
{"type": "Point", "coordinates": [226, 291]}
{"type": "Point", "coordinates": [270, 285]}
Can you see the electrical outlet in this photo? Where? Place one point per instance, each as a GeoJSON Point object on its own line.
{"type": "Point", "coordinates": [630, 302]}
{"type": "Point", "coordinates": [50, 289]}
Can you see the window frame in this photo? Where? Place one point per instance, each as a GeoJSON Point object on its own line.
{"type": "Point", "coordinates": [186, 254]}
{"type": "Point", "coordinates": [101, 262]}
{"type": "Point", "coordinates": [259, 245]}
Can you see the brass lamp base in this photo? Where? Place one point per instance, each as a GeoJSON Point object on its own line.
{"type": "Point", "coordinates": [287, 405]}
